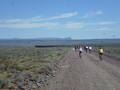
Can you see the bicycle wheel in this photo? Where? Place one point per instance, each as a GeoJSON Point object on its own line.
{"type": "Point", "coordinates": [100, 56]}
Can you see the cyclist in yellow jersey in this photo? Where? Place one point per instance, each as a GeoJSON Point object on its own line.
{"type": "Point", "coordinates": [101, 51]}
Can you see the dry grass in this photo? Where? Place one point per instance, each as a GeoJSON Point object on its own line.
{"type": "Point", "coordinates": [17, 63]}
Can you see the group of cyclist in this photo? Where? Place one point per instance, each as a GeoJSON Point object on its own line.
{"type": "Point", "coordinates": [88, 49]}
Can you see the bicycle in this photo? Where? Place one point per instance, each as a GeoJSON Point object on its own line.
{"type": "Point", "coordinates": [101, 56]}
{"type": "Point", "coordinates": [80, 54]}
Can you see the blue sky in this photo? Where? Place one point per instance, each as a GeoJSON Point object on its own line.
{"type": "Point", "coordinates": [78, 19]}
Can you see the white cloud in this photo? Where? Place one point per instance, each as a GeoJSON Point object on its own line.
{"type": "Point", "coordinates": [68, 25]}
{"type": "Point", "coordinates": [38, 18]}
{"type": "Point", "coordinates": [104, 28]}
{"type": "Point", "coordinates": [30, 25]}
{"type": "Point", "coordinates": [62, 16]}
{"type": "Point", "coordinates": [10, 21]}
{"type": "Point", "coordinates": [102, 23]}
{"type": "Point", "coordinates": [91, 14]}
{"type": "Point", "coordinates": [106, 23]}
{"type": "Point", "coordinates": [74, 25]}
{"type": "Point", "coordinates": [99, 12]}
{"type": "Point", "coordinates": [67, 15]}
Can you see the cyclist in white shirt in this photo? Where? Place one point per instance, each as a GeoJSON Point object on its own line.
{"type": "Point", "coordinates": [80, 51]}
{"type": "Point", "coordinates": [90, 49]}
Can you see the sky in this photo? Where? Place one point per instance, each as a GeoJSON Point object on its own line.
{"type": "Point", "coordinates": [78, 19]}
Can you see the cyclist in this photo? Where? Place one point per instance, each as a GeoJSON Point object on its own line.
{"type": "Point", "coordinates": [80, 51]}
{"type": "Point", "coordinates": [75, 47]}
{"type": "Point", "coordinates": [101, 51]}
{"type": "Point", "coordinates": [90, 49]}
{"type": "Point", "coordinates": [86, 49]}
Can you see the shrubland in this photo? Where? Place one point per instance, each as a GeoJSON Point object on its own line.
{"type": "Point", "coordinates": [27, 67]}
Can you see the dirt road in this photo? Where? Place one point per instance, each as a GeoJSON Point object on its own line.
{"type": "Point", "coordinates": [86, 73]}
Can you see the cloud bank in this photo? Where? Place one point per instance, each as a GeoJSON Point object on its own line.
{"type": "Point", "coordinates": [91, 14]}
{"type": "Point", "coordinates": [38, 18]}
{"type": "Point", "coordinates": [53, 22]}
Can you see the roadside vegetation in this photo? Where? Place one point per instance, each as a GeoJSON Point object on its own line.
{"type": "Point", "coordinates": [27, 67]}
{"type": "Point", "coordinates": [111, 50]}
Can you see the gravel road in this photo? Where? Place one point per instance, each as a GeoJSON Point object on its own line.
{"type": "Point", "coordinates": [86, 73]}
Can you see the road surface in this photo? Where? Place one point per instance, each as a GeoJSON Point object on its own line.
{"type": "Point", "coordinates": [86, 73]}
